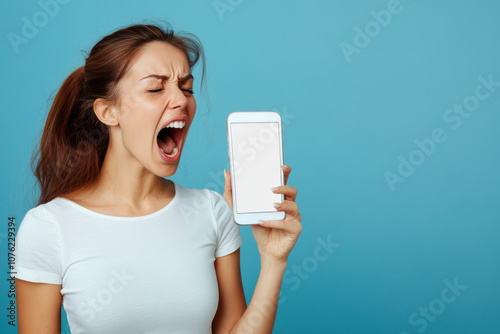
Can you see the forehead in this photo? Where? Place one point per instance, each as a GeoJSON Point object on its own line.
{"type": "Point", "coordinates": [159, 58]}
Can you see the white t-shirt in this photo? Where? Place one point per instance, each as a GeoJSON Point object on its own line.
{"type": "Point", "coordinates": [148, 274]}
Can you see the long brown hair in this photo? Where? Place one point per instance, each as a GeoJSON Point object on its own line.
{"type": "Point", "coordinates": [74, 141]}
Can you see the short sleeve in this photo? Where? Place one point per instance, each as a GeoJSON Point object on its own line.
{"type": "Point", "coordinates": [228, 233]}
{"type": "Point", "coordinates": [38, 248]}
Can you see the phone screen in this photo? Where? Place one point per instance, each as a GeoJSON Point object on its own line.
{"type": "Point", "coordinates": [257, 165]}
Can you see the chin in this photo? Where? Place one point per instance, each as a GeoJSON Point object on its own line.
{"type": "Point", "coordinates": [167, 171]}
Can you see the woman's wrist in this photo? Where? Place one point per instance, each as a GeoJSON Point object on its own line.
{"type": "Point", "coordinates": [269, 264]}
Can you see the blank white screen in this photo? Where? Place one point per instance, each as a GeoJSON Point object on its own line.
{"type": "Point", "coordinates": [257, 165]}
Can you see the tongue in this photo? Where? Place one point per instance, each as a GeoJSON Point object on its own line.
{"type": "Point", "coordinates": [167, 144]}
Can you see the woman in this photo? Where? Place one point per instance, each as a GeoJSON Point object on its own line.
{"type": "Point", "coordinates": [124, 249]}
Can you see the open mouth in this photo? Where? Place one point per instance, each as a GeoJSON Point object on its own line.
{"type": "Point", "coordinates": [169, 139]}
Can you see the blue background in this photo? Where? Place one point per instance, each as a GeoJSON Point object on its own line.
{"type": "Point", "coordinates": [346, 124]}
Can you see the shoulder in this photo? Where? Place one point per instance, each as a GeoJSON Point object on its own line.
{"type": "Point", "coordinates": [37, 214]}
{"type": "Point", "coordinates": [41, 220]}
{"type": "Point", "coordinates": [38, 247]}
{"type": "Point", "coordinates": [216, 209]}
{"type": "Point", "coordinates": [199, 197]}
{"type": "Point", "coordinates": [207, 202]}
{"type": "Point", "coordinates": [38, 230]}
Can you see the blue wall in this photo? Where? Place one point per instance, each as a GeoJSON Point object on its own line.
{"type": "Point", "coordinates": [390, 126]}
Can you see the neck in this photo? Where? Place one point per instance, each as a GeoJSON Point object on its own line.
{"type": "Point", "coordinates": [124, 180]}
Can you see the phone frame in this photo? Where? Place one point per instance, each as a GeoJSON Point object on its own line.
{"type": "Point", "coordinates": [252, 218]}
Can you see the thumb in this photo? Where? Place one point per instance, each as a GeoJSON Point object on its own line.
{"type": "Point", "coordinates": [228, 196]}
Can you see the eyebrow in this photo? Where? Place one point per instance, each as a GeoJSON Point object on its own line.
{"type": "Point", "coordinates": [164, 77]}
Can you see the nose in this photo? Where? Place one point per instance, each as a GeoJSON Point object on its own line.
{"type": "Point", "coordinates": [177, 99]}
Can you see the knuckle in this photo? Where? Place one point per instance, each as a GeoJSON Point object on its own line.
{"type": "Point", "coordinates": [282, 224]}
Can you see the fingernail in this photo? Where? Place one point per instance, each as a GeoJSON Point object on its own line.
{"type": "Point", "coordinates": [277, 205]}
{"type": "Point", "coordinates": [286, 166]}
{"type": "Point", "coordinates": [261, 222]}
{"type": "Point", "coordinates": [274, 189]}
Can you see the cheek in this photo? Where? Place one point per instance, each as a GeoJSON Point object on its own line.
{"type": "Point", "coordinates": [138, 108]}
{"type": "Point", "coordinates": [137, 117]}
{"type": "Point", "coordinates": [191, 108]}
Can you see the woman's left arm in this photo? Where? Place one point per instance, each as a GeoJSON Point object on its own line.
{"type": "Point", "coordinates": [275, 240]}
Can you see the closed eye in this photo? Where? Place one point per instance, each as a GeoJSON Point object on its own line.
{"type": "Point", "coordinates": [155, 90]}
{"type": "Point", "coordinates": [190, 91]}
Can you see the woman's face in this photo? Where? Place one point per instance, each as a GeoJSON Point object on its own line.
{"type": "Point", "coordinates": [155, 108]}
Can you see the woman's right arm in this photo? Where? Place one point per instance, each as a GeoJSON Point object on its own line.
{"type": "Point", "coordinates": [38, 307]}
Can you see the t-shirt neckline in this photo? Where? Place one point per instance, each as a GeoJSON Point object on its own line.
{"type": "Point", "coordinates": [136, 218]}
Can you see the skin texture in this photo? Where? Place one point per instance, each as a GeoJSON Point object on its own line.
{"type": "Point", "coordinates": [131, 184]}
{"type": "Point", "coordinates": [38, 307]}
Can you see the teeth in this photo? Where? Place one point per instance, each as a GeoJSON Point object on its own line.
{"type": "Point", "coordinates": [174, 152]}
{"type": "Point", "coordinates": [176, 124]}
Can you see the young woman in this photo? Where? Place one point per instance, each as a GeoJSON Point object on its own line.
{"type": "Point", "coordinates": [122, 248]}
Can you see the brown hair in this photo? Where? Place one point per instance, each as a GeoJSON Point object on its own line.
{"type": "Point", "coordinates": [74, 141]}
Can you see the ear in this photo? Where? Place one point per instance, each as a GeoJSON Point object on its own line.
{"type": "Point", "coordinates": [106, 112]}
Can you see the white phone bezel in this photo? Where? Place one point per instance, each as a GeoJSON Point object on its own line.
{"type": "Point", "coordinates": [253, 117]}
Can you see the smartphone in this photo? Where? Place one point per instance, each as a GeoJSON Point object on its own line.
{"type": "Point", "coordinates": [255, 143]}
